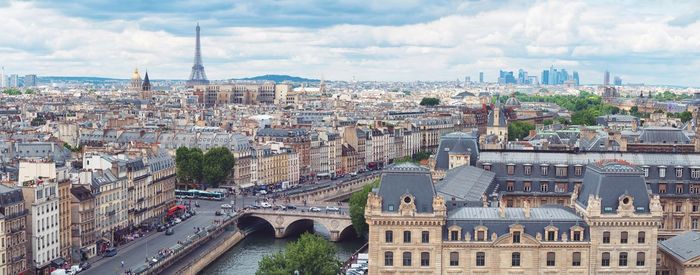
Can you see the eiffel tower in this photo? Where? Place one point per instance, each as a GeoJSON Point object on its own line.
{"type": "Point", "coordinates": [197, 76]}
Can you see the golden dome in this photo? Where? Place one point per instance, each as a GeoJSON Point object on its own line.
{"type": "Point", "coordinates": [136, 74]}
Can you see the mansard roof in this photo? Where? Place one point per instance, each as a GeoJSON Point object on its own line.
{"type": "Point", "coordinates": [406, 178]}
{"type": "Point", "coordinates": [611, 180]}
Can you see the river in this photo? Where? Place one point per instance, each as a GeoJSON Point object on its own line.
{"type": "Point", "coordinates": [244, 257]}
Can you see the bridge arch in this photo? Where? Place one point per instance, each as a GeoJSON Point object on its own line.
{"type": "Point", "coordinates": [286, 223]}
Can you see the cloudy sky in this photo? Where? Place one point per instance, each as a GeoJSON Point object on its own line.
{"type": "Point", "coordinates": [653, 42]}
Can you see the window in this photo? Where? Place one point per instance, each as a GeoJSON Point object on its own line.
{"type": "Point", "coordinates": [606, 259]}
{"type": "Point", "coordinates": [407, 259]}
{"type": "Point", "coordinates": [640, 259]}
{"type": "Point", "coordinates": [578, 170]}
{"type": "Point", "coordinates": [389, 236]}
{"type": "Point", "coordinates": [454, 235]}
{"type": "Point", "coordinates": [551, 259]}
{"type": "Point", "coordinates": [388, 258]}
{"type": "Point", "coordinates": [646, 172]}
{"type": "Point", "coordinates": [695, 189]}
{"type": "Point", "coordinates": [454, 258]}
{"type": "Point", "coordinates": [623, 259]}
{"type": "Point", "coordinates": [694, 223]}
{"type": "Point", "coordinates": [510, 185]}
{"type": "Point", "coordinates": [695, 173]}
{"type": "Point", "coordinates": [527, 169]}
{"type": "Point", "coordinates": [544, 186]}
{"type": "Point", "coordinates": [641, 237]}
{"type": "Point", "coordinates": [561, 171]}
{"type": "Point", "coordinates": [544, 169]}
{"type": "Point", "coordinates": [424, 259]}
{"type": "Point", "coordinates": [679, 188]}
{"type": "Point", "coordinates": [623, 237]}
{"type": "Point", "coordinates": [480, 235]}
{"type": "Point", "coordinates": [511, 169]}
{"type": "Point", "coordinates": [391, 207]}
{"type": "Point", "coordinates": [662, 171]}
{"type": "Point", "coordinates": [696, 207]}
{"type": "Point", "coordinates": [407, 236]}
{"type": "Point", "coordinates": [576, 259]}
{"type": "Point", "coordinates": [516, 237]}
{"type": "Point", "coordinates": [515, 259]}
{"type": "Point", "coordinates": [662, 188]}
{"type": "Point", "coordinates": [425, 237]}
{"type": "Point", "coordinates": [679, 207]}
{"type": "Point", "coordinates": [487, 167]}
{"type": "Point", "coordinates": [561, 188]}
{"type": "Point", "coordinates": [606, 237]}
{"type": "Point", "coordinates": [551, 235]}
{"type": "Point", "coordinates": [678, 223]}
{"type": "Point", "coordinates": [509, 203]}
{"type": "Point", "coordinates": [527, 186]}
{"type": "Point", "coordinates": [577, 236]}
{"type": "Point", "coordinates": [679, 172]}
{"type": "Point", "coordinates": [480, 259]}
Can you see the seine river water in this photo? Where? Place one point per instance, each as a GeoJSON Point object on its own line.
{"type": "Point", "coordinates": [244, 257]}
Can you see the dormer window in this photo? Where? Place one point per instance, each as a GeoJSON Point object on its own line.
{"type": "Point", "coordinates": [511, 169]}
{"type": "Point", "coordinates": [487, 167]}
{"type": "Point", "coordinates": [516, 237]}
{"type": "Point", "coordinates": [561, 170]}
{"type": "Point", "coordinates": [578, 170]}
{"type": "Point", "coordinates": [695, 173]}
{"type": "Point", "coordinates": [551, 232]}
{"type": "Point", "coordinates": [646, 171]}
{"type": "Point", "coordinates": [527, 169]}
{"type": "Point", "coordinates": [480, 233]}
{"type": "Point", "coordinates": [577, 233]}
{"type": "Point", "coordinates": [544, 169]}
{"type": "Point", "coordinates": [662, 171]}
{"type": "Point", "coordinates": [679, 172]}
{"type": "Point", "coordinates": [455, 232]}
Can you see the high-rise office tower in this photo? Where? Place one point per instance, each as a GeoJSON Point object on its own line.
{"type": "Point", "coordinates": [606, 78]}
{"type": "Point", "coordinates": [481, 77]}
{"type": "Point", "coordinates": [30, 80]}
{"type": "Point", "coordinates": [545, 77]}
{"type": "Point", "coordinates": [14, 81]}
{"type": "Point", "coordinates": [197, 76]}
{"type": "Point", "coordinates": [618, 81]}
{"type": "Point", "coordinates": [576, 79]}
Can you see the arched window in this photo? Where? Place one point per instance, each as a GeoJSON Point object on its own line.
{"type": "Point", "coordinates": [640, 258]}
{"type": "Point", "coordinates": [424, 259]}
{"type": "Point", "coordinates": [454, 258]}
{"type": "Point", "coordinates": [388, 258]}
{"type": "Point", "coordinates": [551, 259]}
{"type": "Point", "coordinates": [407, 259]}
{"type": "Point", "coordinates": [515, 259]}
{"type": "Point", "coordinates": [606, 259]}
{"type": "Point", "coordinates": [623, 259]}
{"type": "Point", "coordinates": [480, 259]}
{"type": "Point", "coordinates": [576, 259]}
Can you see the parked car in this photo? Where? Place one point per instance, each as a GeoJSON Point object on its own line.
{"type": "Point", "coordinates": [169, 232]}
{"type": "Point", "coordinates": [332, 209]}
{"type": "Point", "coordinates": [265, 205]}
{"type": "Point", "coordinates": [262, 192]}
{"type": "Point", "coordinates": [291, 207]}
{"type": "Point", "coordinates": [314, 209]}
{"type": "Point", "coordinates": [85, 265]}
{"type": "Point", "coordinates": [218, 213]}
{"type": "Point", "coordinates": [177, 220]}
{"type": "Point", "coordinates": [252, 206]}
{"type": "Point", "coordinates": [161, 228]}
{"type": "Point", "coordinates": [110, 252]}
{"type": "Point", "coordinates": [226, 206]}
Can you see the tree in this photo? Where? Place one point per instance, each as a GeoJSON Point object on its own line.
{"type": "Point", "coordinates": [311, 254]}
{"type": "Point", "coordinates": [685, 116]}
{"type": "Point", "coordinates": [548, 122]}
{"type": "Point", "coordinates": [217, 165]}
{"type": "Point", "coordinates": [429, 101]}
{"type": "Point", "coordinates": [519, 130]}
{"type": "Point", "coordinates": [189, 164]}
{"type": "Point", "coordinates": [422, 155]}
{"type": "Point", "coordinates": [358, 201]}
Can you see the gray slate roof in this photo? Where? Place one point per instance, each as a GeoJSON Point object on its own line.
{"type": "Point", "coordinates": [406, 178]}
{"type": "Point", "coordinates": [457, 142]}
{"type": "Point", "coordinates": [684, 247]}
{"type": "Point", "coordinates": [667, 135]}
{"type": "Point", "coordinates": [465, 183]}
{"type": "Point", "coordinates": [610, 181]}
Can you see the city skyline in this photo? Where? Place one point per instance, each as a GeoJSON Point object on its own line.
{"type": "Point", "coordinates": [640, 43]}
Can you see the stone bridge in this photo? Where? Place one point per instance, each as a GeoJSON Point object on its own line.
{"type": "Point", "coordinates": [288, 222]}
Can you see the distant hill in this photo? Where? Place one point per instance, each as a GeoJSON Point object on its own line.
{"type": "Point", "coordinates": [278, 78]}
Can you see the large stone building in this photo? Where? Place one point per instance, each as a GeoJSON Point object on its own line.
{"type": "Point", "coordinates": [247, 94]}
{"type": "Point", "coordinates": [413, 229]}
{"type": "Point", "coordinates": [82, 224]}
{"type": "Point", "coordinates": [14, 219]}
{"type": "Point", "coordinates": [543, 177]}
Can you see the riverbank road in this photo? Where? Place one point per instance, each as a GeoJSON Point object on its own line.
{"type": "Point", "coordinates": [134, 254]}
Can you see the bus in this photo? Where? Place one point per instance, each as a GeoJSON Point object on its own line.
{"type": "Point", "coordinates": [198, 194]}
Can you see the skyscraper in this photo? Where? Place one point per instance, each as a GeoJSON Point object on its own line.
{"type": "Point", "coordinates": [545, 77]}
{"type": "Point", "coordinates": [505, 77]}
{"type": "Point", "coordinates": [30, 80]}
{"type": "Point", "coordinates": [14, 81]}
{"type": "Point", "coordinates": [197, 76]}
{"type": "Point", "coordinates": [576, 80]}
{"type": "Point", "coordinates": [618, 81]}
{"type": "Point", "coordinates": [481, 77]}
{"type": "Point", "coordinates": [606, 78]}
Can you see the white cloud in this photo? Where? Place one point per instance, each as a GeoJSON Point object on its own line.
{"type": "Point", "coordinates": [589, 37]}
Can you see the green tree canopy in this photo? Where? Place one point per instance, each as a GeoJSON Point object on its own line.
{"type": "Point", "coordinates": [429, 101]}
{"type": "Point", "coordinates": [189, 164]}
{"type": "Point", "coordinates": [217, 165]}
{"type": "Point", "coordinates": [519, 130]}
{"type": "Point", "coordinates": [311, 254]}
{"type": "Point", "coordinates": [358, 201]}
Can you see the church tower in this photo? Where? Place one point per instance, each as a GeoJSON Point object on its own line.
{"type": "Point", "coordinates": [146, 86]}
{"type": "Point", "coordinates": [135, 81]}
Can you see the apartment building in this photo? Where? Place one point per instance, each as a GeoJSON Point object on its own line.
{"type": "Point", "coordinates": [14, 219]}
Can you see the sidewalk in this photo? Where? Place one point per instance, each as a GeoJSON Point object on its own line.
{"type": "Point", "coordinates": [98, 258]}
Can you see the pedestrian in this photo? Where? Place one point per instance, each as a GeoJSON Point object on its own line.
{"type": "Point", "coordinates": [122, 264]}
